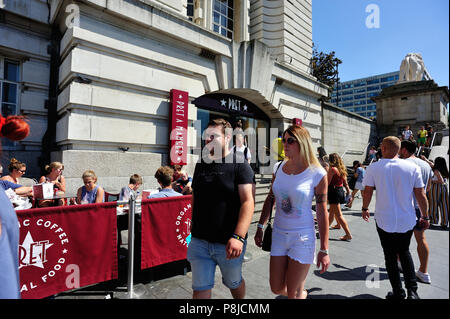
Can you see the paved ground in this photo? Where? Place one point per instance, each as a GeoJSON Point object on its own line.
{"type": "Point", "coordinates": [353, 265]}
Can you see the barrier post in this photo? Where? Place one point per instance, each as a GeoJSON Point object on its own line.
{"type": "Point", "coordinates": [132, 206]}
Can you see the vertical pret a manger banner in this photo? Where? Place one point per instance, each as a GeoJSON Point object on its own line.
{"type": "Point", "coordinates": [179, 104]}
{"type": "Point", "coordinates": [66, 247]}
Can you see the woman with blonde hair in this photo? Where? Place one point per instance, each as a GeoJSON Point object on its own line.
{"type": "Point", "coordinates": [16, 170]}
{"type": "Point", "coordinates": [90, 192]}
{"type": "Point", "coordinates": [337, 180]}
{"type": "Point", "coordinates": [295, 182]}
{"type": "Point", "coordinates": [54, 175]}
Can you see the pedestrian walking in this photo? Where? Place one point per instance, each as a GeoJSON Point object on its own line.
{"type": "Point", "coordinates": [407, 134]}
{"type": "Point", "coordinates": [438, 194]}
{"type": "Point", "coordinates": [223, 206]}
{"type": "Point", "coordinates": [358, 175]}
{"type": "Point", "coordinates": [407, 151]}
{"type": "Point", "coordinates": [13, 128]}
{"type": "Point", "coordinates": [422, 136]}
{"type": "Point", "coordinates": [396, 182]}
{"type": "Point", "coordinates": [297, 180]}
{"type": "Point", "coordinates": [337, 180]}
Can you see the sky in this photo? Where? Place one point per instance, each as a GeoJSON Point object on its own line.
{"type": "Point", "coordinates": [405, 26]}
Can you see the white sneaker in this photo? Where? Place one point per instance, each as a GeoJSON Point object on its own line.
{"type": "Point", "coordinates": [423, 277]}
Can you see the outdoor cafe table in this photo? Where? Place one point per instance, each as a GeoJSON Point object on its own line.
{"type": "Point", "coordinates": [54, 198]}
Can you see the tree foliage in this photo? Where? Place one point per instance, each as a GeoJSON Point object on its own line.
{"type": "Point", "coordinates": [324, 68]}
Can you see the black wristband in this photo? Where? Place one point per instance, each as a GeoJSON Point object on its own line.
{"type": "Point", "coordinates": [241, 239]}
{"type": "Point", "coordinates": [425, 218]}
{"type": "Point", "coordinates": [364, 209]}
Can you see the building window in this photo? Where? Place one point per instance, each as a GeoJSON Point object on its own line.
{"type": "Point", "coordinates": [190, 10]}
{"type": "Point", "coordinates": [360, 96]}
{"type": "Point", "coordinates": [373, 88]}
{"type": "Point", "coordinates": [9, 91]}
{"type": "Point", "coordinates": [223, 17]}
{"type": "Point", "coordinates": [373, 81]}
{"type": "Point", "coordinates": [388, 79]}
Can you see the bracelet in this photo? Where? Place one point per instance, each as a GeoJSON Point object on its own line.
{"type": "Point", "coordinates": [260, 226]}
{"type": "Point", "coordinates": [241, 239]}
{"type": "Point", "coordinates": [425, 218]}
{"type": "Point", "coordinates": [324, 251]}
{"type": "Point", "coordinates": [364, 209]}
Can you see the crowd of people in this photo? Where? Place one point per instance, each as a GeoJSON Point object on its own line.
{"type": "Point", "coordinates": [411, 192]}
{"type": "Point", "coordinates": [173, 181]}
{"type": "Point", "coordinates": [423, 137]}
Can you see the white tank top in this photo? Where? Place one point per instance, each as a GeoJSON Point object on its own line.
{"type": "Point", "coordinates": [293, 195]}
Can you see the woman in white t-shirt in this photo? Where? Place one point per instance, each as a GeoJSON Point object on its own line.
{"type": "Point", "coordinates": [299, 178]}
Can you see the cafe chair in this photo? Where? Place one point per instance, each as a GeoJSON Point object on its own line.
{"type": "Point", "coordinates": [111, 197]}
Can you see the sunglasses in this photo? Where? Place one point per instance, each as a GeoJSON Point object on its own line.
{"type": "Point", "coordinates": [289, 140]}
{"type": "Point", "coordinates": [22, 171]}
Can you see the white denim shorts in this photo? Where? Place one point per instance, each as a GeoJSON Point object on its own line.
{"type": "Point", "coordinates": [298, 245]}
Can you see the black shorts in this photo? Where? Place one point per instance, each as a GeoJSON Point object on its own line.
{"type": "Point", "coordinates": [336, 195]}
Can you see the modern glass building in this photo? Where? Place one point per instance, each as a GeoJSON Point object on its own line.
{"type": "Point", "coordinates": [355, 95]}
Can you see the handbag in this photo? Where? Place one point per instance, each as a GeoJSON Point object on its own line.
{"type": "Point", "coordinates": [267, 237]}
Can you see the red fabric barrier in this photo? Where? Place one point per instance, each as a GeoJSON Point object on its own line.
{"type": "Point", "coordinates": [166, 229]}
{"type": "Point", "coordinates": [66, 247]}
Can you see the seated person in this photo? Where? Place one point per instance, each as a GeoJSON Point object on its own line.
{"type": "Point", "coordinates": [183, 184]}
{"type": "Point", "coordinates": [90, 192]}
{"type": "Point", "coordinates": [54, 175]}
{"type": "Point", "coordinates": [134, 184]}
{"type": "Point", "coordinates": [18, 189]}
{"type": "Point", "coordinates": [164, 177]}
{"type": "Point", "coordinates": [16, 170]}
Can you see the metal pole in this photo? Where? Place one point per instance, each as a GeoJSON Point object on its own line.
{"type": "Point", "coordinates": [432, 141]}
{"type": "Point", "coordinates": [132, 206]}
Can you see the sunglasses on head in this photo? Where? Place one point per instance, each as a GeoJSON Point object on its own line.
{"type": "Point", "coordinates": [289, 140]}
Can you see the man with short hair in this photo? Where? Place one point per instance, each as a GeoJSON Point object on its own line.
{"type": "Point", "coordinates": [407, 134]}
{"type": "Point", "coordinates": [222, 209]}
{"type": "Point", "coordinates": [397, 182]}
{"type": "Point", "coordinates": [407, 151]}
{"type": "Point", "coordinates": [164, 176]}
{"type": "Point", "coordinates": [133, 185]}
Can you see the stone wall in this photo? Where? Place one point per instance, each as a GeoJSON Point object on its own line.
{"type": "Point", "coordinates": [346, 132]}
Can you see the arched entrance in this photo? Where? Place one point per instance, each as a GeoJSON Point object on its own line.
{"type": "Point", "coordinates": [247, 106]}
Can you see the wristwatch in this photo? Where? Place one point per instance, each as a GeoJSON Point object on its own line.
{"type": "Point", "coordinates": [325, 251]}
{"type": "Point", "coordinates": [364, 209]}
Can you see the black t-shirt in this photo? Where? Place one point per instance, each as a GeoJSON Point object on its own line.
{"type": "Point", "coordinates": [216, 197]}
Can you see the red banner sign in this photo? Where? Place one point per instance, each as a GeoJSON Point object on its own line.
{"type": "Point", "coordinates": [166, 230]}
{"type": "Point", "coordinates": [179, 104]}
{"type": "Point", "coordinates": [66, 247]}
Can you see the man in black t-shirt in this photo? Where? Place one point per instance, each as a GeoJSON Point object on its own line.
{"type": "Point", "coordinates": [223, 206]}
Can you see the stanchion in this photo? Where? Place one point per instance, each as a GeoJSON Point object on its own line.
{"type": "Point", "coordinates": [132, 205]}
{"type": "Point", "coordinates": [131, 292]}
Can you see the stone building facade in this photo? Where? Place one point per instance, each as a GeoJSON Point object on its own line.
{"type": "Point", "coordinates": [95, 78]}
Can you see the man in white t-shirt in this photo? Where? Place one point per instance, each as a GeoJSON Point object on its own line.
{"type": "Point", "coordinates": [407, 133]}
{"type": "Point", "coordinates": [397, 182]}
{"type": "Point", "coordinates": [407, 151]}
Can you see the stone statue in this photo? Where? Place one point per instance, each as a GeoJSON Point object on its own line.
{"type": "Point", "coordinates": [413, 68]}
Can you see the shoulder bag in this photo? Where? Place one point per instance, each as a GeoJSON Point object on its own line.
{"type": "Point", "coordinates": [267, 237]}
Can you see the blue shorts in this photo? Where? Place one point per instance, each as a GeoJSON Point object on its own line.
{"type": "Point", "coordinates": [204, 256]}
